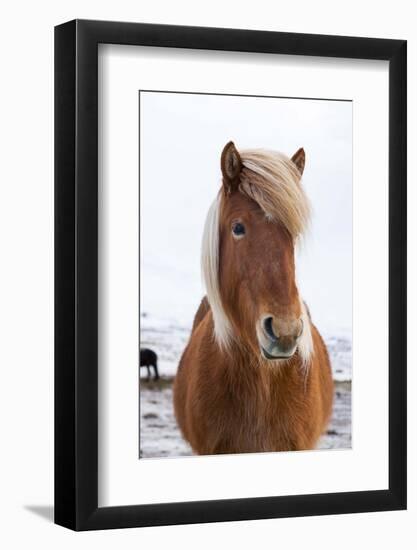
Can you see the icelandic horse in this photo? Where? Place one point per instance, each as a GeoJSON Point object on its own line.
{"type": "Point", "coordinates": [255, 375]}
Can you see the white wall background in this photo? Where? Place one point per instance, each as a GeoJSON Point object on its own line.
{"type": "Point", "coordinates": [26, 289]}
{"type": "Point", "coordinates": [182, 136]}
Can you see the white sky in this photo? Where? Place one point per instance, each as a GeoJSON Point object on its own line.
{"type": "Point", "coordinates": [182, 136]}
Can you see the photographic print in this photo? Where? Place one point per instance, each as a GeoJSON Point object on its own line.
{"type": "Point", "coordinates": [215, 266]}
{"type": "Point", "coordinates": [245, 274]}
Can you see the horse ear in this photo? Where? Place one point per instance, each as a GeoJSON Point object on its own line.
{"type": "Point", "coordinates": [231, 165]}
{"type": "Point", "coordinates": [299, 159]}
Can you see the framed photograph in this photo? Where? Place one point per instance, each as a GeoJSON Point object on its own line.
{"type": "Point", "coordinates": [230, 254]}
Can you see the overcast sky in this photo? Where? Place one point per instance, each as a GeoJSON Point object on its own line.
{"type": "Point", "coordinates": [182, 136]}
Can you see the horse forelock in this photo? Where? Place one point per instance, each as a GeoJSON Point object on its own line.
{"type": "Point", "coordinates": [273, 182]}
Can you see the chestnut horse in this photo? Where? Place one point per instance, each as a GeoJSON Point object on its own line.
{"type": "Point", "coordinates": [255, 375]}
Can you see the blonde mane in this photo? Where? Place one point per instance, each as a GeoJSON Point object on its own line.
{"type": "Point", "coordinates": [272, 180]}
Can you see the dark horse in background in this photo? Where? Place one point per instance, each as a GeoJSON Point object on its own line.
{"type": "Point", "coordinates": [148, 358]}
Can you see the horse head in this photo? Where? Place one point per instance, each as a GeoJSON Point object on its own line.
{"type": "Point", "coordinates": [248, 254]}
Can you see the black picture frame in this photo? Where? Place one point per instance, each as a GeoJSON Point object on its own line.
{"type": "Point", "coordinates": [76, 272]}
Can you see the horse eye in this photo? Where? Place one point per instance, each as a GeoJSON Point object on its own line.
{"type": "Point", "coordinates": [238, 229]}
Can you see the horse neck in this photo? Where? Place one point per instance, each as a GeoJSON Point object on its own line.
{"type": "Point", "coordinates": [244, 367]}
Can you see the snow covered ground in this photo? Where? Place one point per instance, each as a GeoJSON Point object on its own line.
{"type": "Point", "coordinates": [159, 434]}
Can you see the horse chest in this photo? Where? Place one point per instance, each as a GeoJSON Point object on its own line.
{"type": "Point", "coordinates": [252, 420]}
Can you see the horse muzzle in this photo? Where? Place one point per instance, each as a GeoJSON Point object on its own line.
{"type": "Point", "coordinates": [278, 338]}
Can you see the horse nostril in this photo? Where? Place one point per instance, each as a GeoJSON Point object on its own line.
{"type": "Point", "coordinates": [269, 328]}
